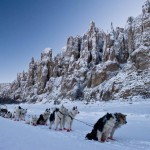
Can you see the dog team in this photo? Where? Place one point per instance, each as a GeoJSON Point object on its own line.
{"type": "Point", "coordinates": [62, 118]}
{"type": "Point", "coordinates": [58, 117]}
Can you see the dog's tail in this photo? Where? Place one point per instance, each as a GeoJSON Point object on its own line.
{"type": "Point", "coordinates": [88, 136]}
{"type": "Point", "coordinates": [91, 136]}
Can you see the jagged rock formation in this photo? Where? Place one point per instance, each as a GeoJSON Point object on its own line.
{"type": "Point", "coordinates": [97, 65]}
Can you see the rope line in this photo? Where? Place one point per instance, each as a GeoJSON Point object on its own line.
{"type": "Point", "coordinates": [88, 124]}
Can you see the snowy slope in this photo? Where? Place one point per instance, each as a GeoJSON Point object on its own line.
{"type": "Point", "coordinates": [132, 136]}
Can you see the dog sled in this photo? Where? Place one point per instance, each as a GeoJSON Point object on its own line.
{"type": "Point", "coordinates": [3, 110]}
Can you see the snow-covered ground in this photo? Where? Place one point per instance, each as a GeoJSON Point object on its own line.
{"type": "Point", "coordinates": [135, 135]}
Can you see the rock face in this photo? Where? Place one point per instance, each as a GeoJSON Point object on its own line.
{"type": "Point", "coordinates": [97, 65]}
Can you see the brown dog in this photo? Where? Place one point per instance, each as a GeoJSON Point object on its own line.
{"type": "Point", "coordinates": [120, 120]}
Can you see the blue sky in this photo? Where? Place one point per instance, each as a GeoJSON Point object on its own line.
{"type": "Point", "coordinates": [29, 26]}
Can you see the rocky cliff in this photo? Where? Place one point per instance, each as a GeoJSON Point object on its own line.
{"type": "Point", "coordinates": [97, 65]}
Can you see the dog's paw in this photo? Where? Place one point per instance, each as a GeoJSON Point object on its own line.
{"type": "Point", "coordinates": [68, 130]}
{"type": "Point", "coordinates": [111, 138]}
{"type": "Point", "coordinates": [102, 140]}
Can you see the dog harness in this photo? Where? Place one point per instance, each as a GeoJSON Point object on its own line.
{"type": "Point", "coordinates": [59, 116]}
{"type": "Point", "coordinates": [70, 116]}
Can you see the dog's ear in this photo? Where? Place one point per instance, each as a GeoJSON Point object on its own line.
{"type": "Point", "coordinates": [116, 114]}
{"type": "Point", "coordinates": [73, 108]}
{"type": "Point", "coordinates": [57, 109]}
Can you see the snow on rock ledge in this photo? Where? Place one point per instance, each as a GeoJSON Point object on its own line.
{"type": "Point", "coordinates": [97, 65]}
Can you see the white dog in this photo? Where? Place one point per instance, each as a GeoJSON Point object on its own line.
{"type": "Point", "coordinates": [19, 113]}
{"type": "Point", "coordinates": [23, 114]}
{"type": "Point", "coordinates": [32, 120]}
{"type": "Point", "coordinates": [70, 117]}
{"type": "Point", "coordinates": [59, 117]}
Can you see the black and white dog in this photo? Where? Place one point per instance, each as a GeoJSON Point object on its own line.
{"type": "Point", "coordinates": [42, 120]}
{"type": "Point", "coordinates": [102, 127]}
{"type": "Point", "coordinates": [52, 117]}
{"type": "Point", "coordinates": [70, 117]}
{"type": "Point", "coordinates": [8, 115]}
{"type": "Point", "coordinates": [3, 111]}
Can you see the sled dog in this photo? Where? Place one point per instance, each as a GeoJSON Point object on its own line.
{"type": "Point", "coordinates": [52, 117]}
{"type": "Point", "coordinates": [42, 120]}
{"type": "Point", "coordinates": [120, 120]}
{"type": "Point", "coordinates": [19, 113]}
{"type": "Point", "coordinates": [59, 117]}
{"type": "Point", "coordinates": [70, 117]}
{"type": "Point", "coordinates": [103, 126]}
{"type": "Point", "coordinates": [23, 114]}
{"type": "Point", "coordinates": [8, 115]}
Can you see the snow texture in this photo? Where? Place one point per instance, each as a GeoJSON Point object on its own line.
{"type": "Point", "coordinates": [16, 135]}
